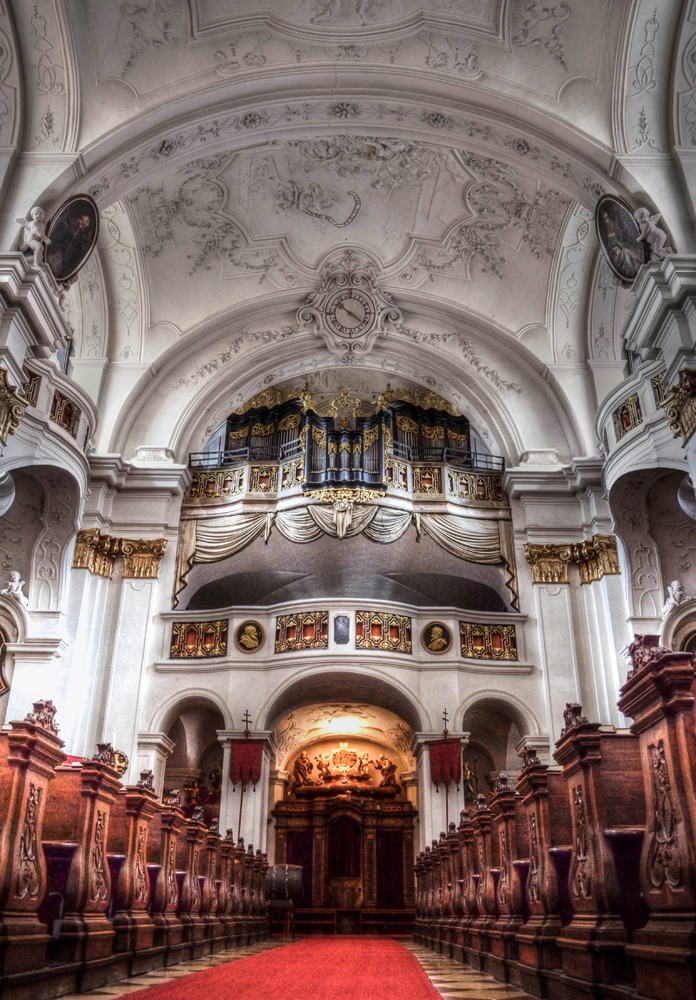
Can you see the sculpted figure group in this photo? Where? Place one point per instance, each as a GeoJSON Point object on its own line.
{"type": "Point", "coordinates": [303, 768]}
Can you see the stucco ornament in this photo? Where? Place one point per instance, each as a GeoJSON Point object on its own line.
{"type": "Point", "coordinates": [651, 234]}
{"type": "Point", "coordinates": [348, 309]}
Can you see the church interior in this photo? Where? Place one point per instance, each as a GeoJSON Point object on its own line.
{"type": "Point", "coordinates": [347, 508]}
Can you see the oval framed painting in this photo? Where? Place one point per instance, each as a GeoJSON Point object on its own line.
{"type": "Point", "coordinates": [436, 637]}
{"type": "Point", "coordinates": [73, 232]}
{"type": "Point", "coordinates": [249, 636]}
{"type": "Point", "coordinates": [618, 234]}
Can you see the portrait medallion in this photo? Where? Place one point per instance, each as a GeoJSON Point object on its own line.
{"type": "Point", "coordinates": [73, 233]}
{"type": "Point", "coordinates": [249, 636]}
{"type": "Point", "coordinates": [436, 637]}
{"type": "Point", "coordinates": [618, 234]}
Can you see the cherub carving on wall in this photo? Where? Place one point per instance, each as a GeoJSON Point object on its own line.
{"type": "Point", "coordinates": [650, 233]}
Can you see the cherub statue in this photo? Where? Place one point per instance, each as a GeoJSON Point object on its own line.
{"type": "Point", "coordinates": [324, 766]}
{"type": "Point", "coordinates": [14, 589]}
{"type": "Point", "coordinates": [34, 234]}
{"type": "Point", "coordinates": [676, 597]}
{"type": "Point", "coordinates": [363, 763]}
{"type": "Point", "coordinates": [654, 237]}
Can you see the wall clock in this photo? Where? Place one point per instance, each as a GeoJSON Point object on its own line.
{"type": "Point", "coordinates": [349, 313]}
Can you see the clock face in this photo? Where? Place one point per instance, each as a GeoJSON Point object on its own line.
{"type": "Point", "coordinates": [350, 313]}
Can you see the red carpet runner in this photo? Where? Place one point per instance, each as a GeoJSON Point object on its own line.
{"type": "Point", "coordinates": [317, 968]}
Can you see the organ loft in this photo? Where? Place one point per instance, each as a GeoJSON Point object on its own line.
{"type": "Point", "coordinates": [347, 511]}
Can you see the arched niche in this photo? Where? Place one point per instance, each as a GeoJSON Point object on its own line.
{"type": "Point", "coordinates": [496, 727]}
{"type": "Point", "coordinates": [194, 766]}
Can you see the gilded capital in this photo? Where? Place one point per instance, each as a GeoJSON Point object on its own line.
{"type": "Point", "coordinates": [549, 562]}
{"type": "Point", "coordinates": [680, 405]}
{"type": "Point", "coordinates": [595, 558]}
{"type": "Point", "coordinates": [12, 407]}
{"type": "Point", "coordinates": [97, 553]}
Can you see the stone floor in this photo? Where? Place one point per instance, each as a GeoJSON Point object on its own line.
{"type": "Point", "coordinates": [453, 980]}
{"type": "Point", "coordinates": [449, 978]}
{"type": "Point", "coordinates": [127, 986]}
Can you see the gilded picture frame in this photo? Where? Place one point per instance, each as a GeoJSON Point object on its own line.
{"type": "Point", "coordinates": [250, 636]}
{"type": "Point", "coordinates": [618, 232]}
{"type": "Point", "coordinates": [436, 638]}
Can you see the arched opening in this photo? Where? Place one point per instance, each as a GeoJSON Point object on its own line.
{"type": "Point", "coordinates": [345, 812]}
{"type": "Point", "coordinates": [195, 765]}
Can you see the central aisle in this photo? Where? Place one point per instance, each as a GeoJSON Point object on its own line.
{"type": "Point", "coordinates": [317, 968]}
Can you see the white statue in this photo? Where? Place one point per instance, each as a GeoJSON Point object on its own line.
{"type": "Point", "coordinates": [14, 589]}
{"type": "Point", "coordinates": [651, 234]}
{"type": "Point", "coordinates": [34, 233]}
{"type": "Point", "coordinates": [676, 597]}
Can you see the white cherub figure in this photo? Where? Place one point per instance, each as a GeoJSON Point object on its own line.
{"type": "Point", "coordinates": [34, 233]}
{"type": "Point", "coordinates": [14, 588]}
{"type": "Point", "coordinates": [655, 237]}
{"type": "Point", "coordinates": [676, 597]}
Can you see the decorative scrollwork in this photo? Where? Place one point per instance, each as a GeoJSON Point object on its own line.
{"type": "Point", "coordinates": [43, 715]}
{"type": "Point", "coordinates": [304, 630]}
{"type": "Point", "coordinates": [680, 405]}
{"type": "Point", "coordinates": [381, 630]}
{"type": "Point", "coordinates": [199, 639]}
{"type": "Point", "coordinates": [488, 642]}
{"type": "Point", "coordinates": [12, 407]}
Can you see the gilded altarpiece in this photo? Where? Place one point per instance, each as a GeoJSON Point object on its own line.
{"type": "Point", "coordinates": [346, 821]}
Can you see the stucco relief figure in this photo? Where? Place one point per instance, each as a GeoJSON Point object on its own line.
{"type": "Point", "coordinates": [650, 233]}
{"type": "Point", "coordinates": [301, 771]}
{"type": "Point", "coordinates": [14, 589]}
{"type": "Point", "coordinates": [388, 769]}
{"type": "Point", "coordinates": [676, 597]}
{"type": "Point", "coordinates": [34, 234]}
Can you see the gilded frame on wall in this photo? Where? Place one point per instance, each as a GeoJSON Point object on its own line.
{"type": "Point", "coordinates": [618, 232]}
{"type": "Point", "coordinates": [250, 636]}
{"type": "Point", "coordinates": [436, 637]}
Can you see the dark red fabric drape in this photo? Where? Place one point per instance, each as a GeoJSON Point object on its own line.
{"type": "Point", "coordinates": [245, 761]}
{"type": "Point", "coordinates": [445, 761]}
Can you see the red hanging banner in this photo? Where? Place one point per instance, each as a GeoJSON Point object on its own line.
{"type": "Point", "coordinates": [245, 761]}
{"type": "Point", "coordinates": [445, 761]}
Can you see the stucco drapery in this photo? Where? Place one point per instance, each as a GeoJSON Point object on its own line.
{"type": "Point", "coordinates": [210, 539]}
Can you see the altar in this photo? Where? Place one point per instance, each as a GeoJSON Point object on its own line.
{"type": "Point", "coordinates": [349, 825]}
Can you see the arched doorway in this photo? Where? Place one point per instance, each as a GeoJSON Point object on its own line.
{"type": "Point", "coordinates": [346, 814]}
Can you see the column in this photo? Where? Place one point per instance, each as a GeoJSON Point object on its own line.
{"type": "Point", "coordinates": [434, 804]}
{"type": "Point", "coordinates": [255, 801]}
{"type": "Point", "coordinates": [153, 750]}
{"type": "Point", "coordinates": [127, 669]}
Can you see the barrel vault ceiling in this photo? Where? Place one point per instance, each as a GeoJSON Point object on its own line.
{"type": "Point", "coordinates": [457, 146]}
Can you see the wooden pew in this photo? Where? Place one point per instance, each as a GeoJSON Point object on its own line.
{"type": "Point", "coordinates": [29, 752]}
{"type": "Point", "coordinates": [131, 817]}
{"type": "Point", "coordinates": [166, 827]}
{"type": "Point", "coordinates": [544, 805]}
{"type": "Point", "coordinates": [511, 831]}
{"type": "Point", "coordinates": [659, 697]}
{"type": "Point", "coordinates": [604, 781]}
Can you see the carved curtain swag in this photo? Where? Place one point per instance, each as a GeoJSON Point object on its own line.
{"type": "Point", "coordinates": [477, 540]}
